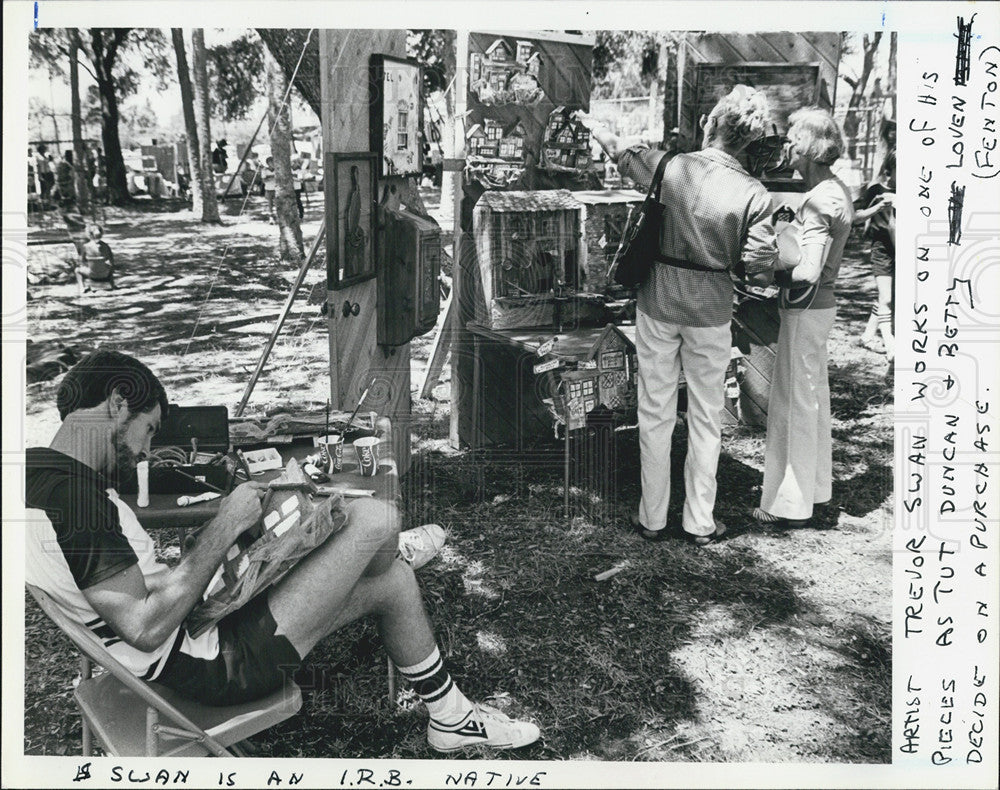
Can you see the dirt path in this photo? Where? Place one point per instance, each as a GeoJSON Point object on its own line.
{"type": "Point", "coordinates": [773, 645]}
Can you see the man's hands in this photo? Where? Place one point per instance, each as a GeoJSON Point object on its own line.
{"type": "Point", "coordinates": [241, 509]}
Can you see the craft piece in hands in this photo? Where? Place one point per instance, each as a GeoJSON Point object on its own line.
{"type": "Point", "coordinates": [292, 526]}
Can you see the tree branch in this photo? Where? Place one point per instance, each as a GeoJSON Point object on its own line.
{"type": "Point", "coordinates": [83, 62]}
{"type": "Point", "coordinates": [112, 52]}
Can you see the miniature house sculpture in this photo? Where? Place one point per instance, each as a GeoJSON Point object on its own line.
{"type": "Point", "coordinates": [528, 244]}
{"type": "Point", "coordinates": [506, 73]}
{"type": "Point", "coordinates": [567, 144]}
{"type": "Point", "coordinates": [606, 379]}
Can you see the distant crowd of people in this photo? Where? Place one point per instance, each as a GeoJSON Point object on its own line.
{"type": "Point", "coordinates": [52, 178]}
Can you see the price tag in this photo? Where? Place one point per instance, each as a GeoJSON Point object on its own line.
{"type": "Point", "coordinates": [546, 347]}
{"type": "Point", "coordinates": [545, 367]}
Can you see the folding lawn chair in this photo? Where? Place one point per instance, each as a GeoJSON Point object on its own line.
{"type": "Point", "coordinates": [125, 712]}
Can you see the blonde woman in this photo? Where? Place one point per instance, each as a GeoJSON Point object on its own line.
{"type": "Point", "coordinates": [717, 217]}
{"type": "Point", "coordinates": [798, 458]}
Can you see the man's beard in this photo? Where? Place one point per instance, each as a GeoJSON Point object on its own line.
{"type": "Point", "coordinates": [125, 460]}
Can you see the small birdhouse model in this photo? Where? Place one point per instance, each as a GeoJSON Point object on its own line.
{"type": "Point", "coordinates": [579, 396]}
{"type": "Point", "coordinates": [501, 76]}
{"type": "Point", "coordinates": [476, 139]}
{"type": "Point", "coordinates": [512, 144]}
{"type": "Point", "coordinates": [527, 244]}
{"type": "Point", "coordinates": [567, 144]}
{"type": "Point", "coordinates": [614, 356]}
{"type": "Point", "coordinates": [499, 51]}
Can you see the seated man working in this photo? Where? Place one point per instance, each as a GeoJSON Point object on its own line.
{"type": "Point", "coordinates": [91, 555]}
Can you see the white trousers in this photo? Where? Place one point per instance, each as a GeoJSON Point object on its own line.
{"type": "Point", "coordinates": [798, 462]}
{"type": "Point", "coordinates": [703, 353]}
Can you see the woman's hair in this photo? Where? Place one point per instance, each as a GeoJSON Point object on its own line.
{"type": "Point", "coordinates": [92, 380]}
{"type": "Point", "coordinates": [888, 167]}
{"type": "Point", "coordinates": [738, 118]}
{"type": "Point", "coordinates": [814, 132]}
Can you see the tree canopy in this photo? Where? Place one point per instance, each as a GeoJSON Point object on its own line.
{"type": "Point", "coordinates": [236, 75]}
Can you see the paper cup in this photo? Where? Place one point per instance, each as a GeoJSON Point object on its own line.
{"type": "Point", "coordinates": [367, 450]}
{"type": "Point", "coordinates": [331, 450]}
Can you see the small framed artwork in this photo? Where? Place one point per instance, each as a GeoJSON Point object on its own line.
{"type": "Point", "coordinates": [397, 108]}
{"type": "Point", "coordinates": [349, 185]}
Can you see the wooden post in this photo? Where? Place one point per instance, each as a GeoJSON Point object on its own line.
{"type": "Point", "coordinates": [355, 356]}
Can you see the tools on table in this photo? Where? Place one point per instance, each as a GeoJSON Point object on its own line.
{"type": "Point", "coordinates": [208, 496]}
{"type": "Point", "coordinates": [357, 408]}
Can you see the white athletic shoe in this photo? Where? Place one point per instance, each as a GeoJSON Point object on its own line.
{"type": "Point", "coordinates": [482, 725]}
{"type": "Point", "coordinates": [420, 545]}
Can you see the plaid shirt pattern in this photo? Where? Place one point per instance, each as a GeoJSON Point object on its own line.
{"type": "Point", "coordinates": [716, 215]}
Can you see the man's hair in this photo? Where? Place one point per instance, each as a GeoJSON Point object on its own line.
{"type": "Point", "coordinates": [814, 132]}
{"type": "Point", "coordinates": [92, 380]}
{"type": "Point", "coordinates": [738, 118]}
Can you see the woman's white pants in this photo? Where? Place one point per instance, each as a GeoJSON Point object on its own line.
{"type": "Point", "coordinates": [798, 462]}
{"type": "Point", "coordinates": [703, 353]}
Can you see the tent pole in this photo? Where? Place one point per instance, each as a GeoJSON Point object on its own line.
{"type": "Point", "coordinates": [281, 320]}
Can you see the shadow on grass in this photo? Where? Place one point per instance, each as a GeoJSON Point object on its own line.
{"type": "Point", "coordinates": [516, 609]}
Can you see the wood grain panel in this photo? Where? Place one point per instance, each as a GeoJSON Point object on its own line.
{"type": "Point", "coordinates": [780, 47]}
{"type": "Point", "coordinates": [355, 357]}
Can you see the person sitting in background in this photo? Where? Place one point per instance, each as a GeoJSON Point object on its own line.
{"type": "Point", "coordinates": [87, 549]}
{"type": "Point", "coordinates": [97, 262]}
{"type": "Point", "coordinates": [880, 214]}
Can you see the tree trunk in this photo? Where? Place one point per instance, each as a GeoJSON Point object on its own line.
{"type": "Point", "coordinates": [280, 117]}
{"type": "Point", "coordinates": [79, 154]}
{"type": "Point", "coordinates": [105, 50]}
{"type": "Point", "coordinates": [210, 206]}
{"type": "Point", "coordinates": [286, 47]}
{"type": "Point", "coordinates": [195, 176]}
{"type": "Point", "coordinates": [852, 120]}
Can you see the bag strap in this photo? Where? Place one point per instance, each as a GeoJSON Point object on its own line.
{"type": "Point", "coordinates": [654, 185]}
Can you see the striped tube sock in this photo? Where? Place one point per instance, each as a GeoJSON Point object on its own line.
{"type": "Point", "coordinates": [445, 703]}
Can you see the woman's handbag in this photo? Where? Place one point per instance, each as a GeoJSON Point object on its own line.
{"type": "Point", "coordinates": [801, 296]}
{"type": "Point", "coordinates": [640, 245]}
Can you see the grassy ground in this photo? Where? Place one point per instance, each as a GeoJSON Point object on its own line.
{"type": "Point", "coordinates": [773, 645]}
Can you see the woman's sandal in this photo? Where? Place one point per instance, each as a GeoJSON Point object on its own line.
{"type": "Point", "coordinates": [708, 540]}
{"type": "Point", "coordinates": [653, 535]}
{"type": "Point", "coordinates": [765, 519]}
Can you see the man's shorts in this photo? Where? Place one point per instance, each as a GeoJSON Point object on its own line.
{"type": "Point", "coordinates": [252, 662]}
{"type": "Point", "coordinates": [883, 263]}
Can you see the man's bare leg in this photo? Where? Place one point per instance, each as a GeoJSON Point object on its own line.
{"type": "Point", "coordinates": [351, 575]}
{"type": "Point", "coordinates": [355, 574]}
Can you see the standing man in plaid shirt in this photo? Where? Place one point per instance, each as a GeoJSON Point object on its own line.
{"type": "Point", "coordinates": [717, 218]}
